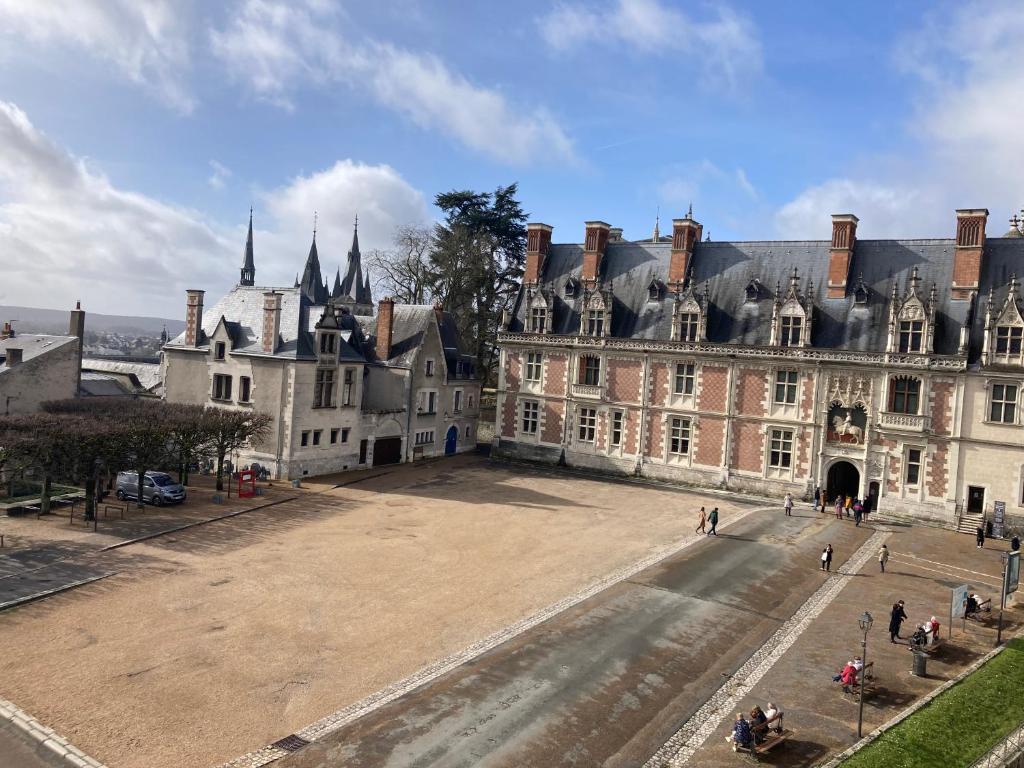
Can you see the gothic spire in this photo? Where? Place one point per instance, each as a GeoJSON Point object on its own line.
{"type": "Point", "coordinates": [248, 272]}
{"type": "Point", "coordinates": [312, 282]}
{"type": "Point", "coordinates": [336, 291]}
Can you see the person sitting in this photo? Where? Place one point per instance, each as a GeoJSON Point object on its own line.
{"type": "Point", "coordinates": [741, 734]}
{"type": "Point", "coordinates": [933, 625]}
{"type": "Point", "coordinates": [848, 677]}
{"type": "Point", "coordinates": [971, 607]}
{"type": "Point", "coordinates": [758, 718]}
{"type": "Point", "coordinates": [920, 637]}
{"type": "Point", "coordinates": [773, 716]}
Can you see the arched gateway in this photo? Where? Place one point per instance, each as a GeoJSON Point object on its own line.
{"type": "Point", "coordinates": [843, 480]}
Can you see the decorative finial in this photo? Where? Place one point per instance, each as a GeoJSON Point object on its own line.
{"type": "Point", "coordinates": [78, 304]}
{"type": "Point", "coordinates": [707, 237]}
{"type": "Point", "coordinates": [689, 211]}
{"type": "Point", "coordinates": [357, 221]}
{"type": "Point", "coordinates": [657, 221]}
{"type": "Point", "coordinates": [314, 224]}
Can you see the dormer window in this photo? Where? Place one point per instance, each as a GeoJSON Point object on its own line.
{"type": "Point", "coordinates": [689, 326]}
{"type": "Point", "coordinates": [753, 290]}
{"type": "Point", "coordinates": [790, 332]}
{"type": "Point", "coordinates": [861, 294]}
{"type": "Point", "coordinates": [219, 350]}
{"type": "Point", "coordinates": [654, 291]}
{"type": "Point", "coordinates": [328, 344]}
{"type": "Point", "coordinates": [791, 314]}
{"type": "Point", "coordinates": [911, 336]}
{"type": "Point", "coordinates": [569, 290]}
{"type": "Point", "coordinates": [1008, 340]}
{"type": "Point", "coordinates": [538, 319]}
{"type": "Point", "coordinates": [595, 322]}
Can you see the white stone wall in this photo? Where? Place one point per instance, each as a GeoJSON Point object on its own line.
{"type": "Point", "coordinates": [52, 375]}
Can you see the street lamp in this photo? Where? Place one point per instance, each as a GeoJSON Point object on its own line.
{"type": "Point", "coordinates": [865, 621]}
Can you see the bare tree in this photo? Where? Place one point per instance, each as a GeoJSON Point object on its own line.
{"type": "Point", "coordinates": [231, 430]}
{"type": "Point", "coordinates": [404, 269]}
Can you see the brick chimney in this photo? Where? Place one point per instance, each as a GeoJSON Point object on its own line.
{"type": "Point", "coordinates": [385, 326]}
{"type": "Point", "coordinates": [76, 328]}
{"type": "Point", "coordinates": [594, 243]}
{"type": "Point", "coordinates": [193, 317]}
{"type": "Point", "coordinates": [685, 235]}
{"type": "Point", "coordinates": [7, 332]}
{"type": "Point", "coordinates": [438, 312]}
{"type": "Point", "coordinates": [538, 238]}
{"type": "Point", "coordinates": [844, 235]}
{"type": "Point", "coordinates": [13, 356]}
{"type": "Point", "coordinates": [970, 244]}
{"type": "Point", "coordinates": [271, 321]}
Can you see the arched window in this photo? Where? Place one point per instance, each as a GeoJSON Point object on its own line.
{"type": "Point", "coordinates": [904, 395]}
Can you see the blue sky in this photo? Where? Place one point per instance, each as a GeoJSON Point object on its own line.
{"type": "Point", "coordinates": [135, 134]}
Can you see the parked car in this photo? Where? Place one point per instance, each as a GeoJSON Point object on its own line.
{"type": "Point", "coordinates": [157, 488]}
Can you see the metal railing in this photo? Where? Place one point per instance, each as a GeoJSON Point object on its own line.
{"type": "Point", "coordinates": [1007, 754]}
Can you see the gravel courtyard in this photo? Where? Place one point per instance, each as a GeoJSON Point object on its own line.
{"type": "Point", "coordinates": [216, 641]}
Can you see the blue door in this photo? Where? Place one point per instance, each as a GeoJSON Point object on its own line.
{"type": "Point", "coordinates": [450, 440]}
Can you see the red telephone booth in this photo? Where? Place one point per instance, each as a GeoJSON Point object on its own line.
{"type": "Point", "coordinates": [246, 483]}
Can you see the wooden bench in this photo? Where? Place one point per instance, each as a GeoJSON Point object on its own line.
{"type": "Point", "coordinates": [773, 732]}
{"type": "Point", "coordinates": [116, 507]}
{"type": "Point", "coordinates": [983, 607]}
{"type": "Point", "coordinates": [865, 680]}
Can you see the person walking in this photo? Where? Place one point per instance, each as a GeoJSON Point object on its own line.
{"type": "Point", "coordinates": [713, 519]}
{"type": "Point", "coordinates": [896, 618]}
{"type": "Point", "coordinates": [848, 504]}
{"type": "Point", "coordinates": [980, 537]}
{"type": "Point", "coordinates": [787, 504]}
{"type": "Point", "coordinates": [703, 521]}
{"type": "Point", "coordinates": [839, 507]}
{"type": "Point", "coordinates": [883, 557]}
{"type": "Point", "coordinates": [826, 558]}
{"type": "Point", "coordinates": [1015, 543]}
{"type": "Point", "coordinates": [818, 499]}
{"type": "Point", "coordinates": [858, 510]}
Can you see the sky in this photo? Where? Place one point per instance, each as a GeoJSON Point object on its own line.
{"type": "Point", "coordinates": [136, 134]}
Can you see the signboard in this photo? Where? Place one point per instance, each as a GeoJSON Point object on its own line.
{"type": "Point", "coordinates": [998, 518]}
{"type": "Point", "coordinates": [1012, 577]}
{"type": "Point", "coordinates": [246, 483]}
{"type": "Point", "coordinates": [958, 601]}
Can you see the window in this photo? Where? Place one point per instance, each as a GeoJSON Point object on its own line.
{"type": "Point", "coordinates": [1008, 340]}
{"type": "Point", "coordinates": [427, 402]}
{"type": "Point", "coordinates": [334, 437]}
{"type": "Point", "coordinates": [913, 466]}
{"type": "Point", "coordinates": [531, 416]}
{"type": "Point", "coordinates": [538, 319]}
{"type": "Point", "coordinates": [469, 403]}
{"type": "Point", "coordinates": [684, 379]}
{"type": "Point", "coordinates": [790, 331]}
{"type": "Point", "coordinates": [344, 434]}
{"type": "Point", "coordinates": [429, 368]}
{"type": "Point", "coordinates": [244, 387]}
{"type": "Point", "coordinates": [219, 350]}
{"type": "Point", "coordinates": [595, 322]}
{"type": "Point", "coordinates": [323, 392]}
{"type": "Point", "coordinates": [785, 387]}
{"type": "Point", "coordinates": [590, 371]}
{"type": "Point", "coordinates": [906, 393]}
{"type": "Point", "coordinates": [316, 436]}
{"type": "Point", "coordinates": [688, 325]}
{"type": "Point", "coordinates": [305, 438]}
{"type": "Point", "coordinates": [911, 335]}
{"type": "Point", "coordinates": [467, 431]}
{"type": "Point", "coordinates": [348, 386]}
{"type": "Point", "coordinates": [457, 404]}
{"type": "Point", "coordinates": [533, 365]}
{"type": "Point", "coordinates": [221, 386]}
{"type": "Point", "coordinates": [679, 437]}
{"type": "Point", "coordinates": [616, 430]}
{"type": "Point", "coordinates": [780, 455]}
{"type": "Point", "coordinates": [425, 438]}
{"type": "Point", "coordinates": [1004, 404]}
{"type": "Point", "coordinates": [327, 344]}
{"type": "Point", "coordinates": [588, 424]}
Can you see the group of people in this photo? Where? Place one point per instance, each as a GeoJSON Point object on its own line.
{"type": "Point", "coordinates": [704, 518]}
{"type": "Point", "coordinates": [898, 614]}
{"type": "Point", "coordinates": [849, 675]}
{"type": "Point", "coordinates": [850, 506]}
{"type": "Point", "coordinates": [747, 733]}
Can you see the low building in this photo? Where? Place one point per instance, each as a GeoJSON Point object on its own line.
{"type": "Point", "coordinates": [345, 389]}
{"type": "Point", "coordinates": [889, 369]}
{"type": "Point", "coordinates": [35, 368]}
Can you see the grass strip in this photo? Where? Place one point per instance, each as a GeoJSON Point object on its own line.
{"type": "Point", "coordinates": [958, 726]}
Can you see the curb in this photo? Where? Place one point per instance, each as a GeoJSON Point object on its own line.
{"type": "Point", "coordinates": [918, 705]}
{"type": "Point", "coordinates": [46, 737]}
{"type": "Point", "coordinates": [50, 592]}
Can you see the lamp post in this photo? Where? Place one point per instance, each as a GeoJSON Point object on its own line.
{"type": "Point", "coordinates": [865, 622]}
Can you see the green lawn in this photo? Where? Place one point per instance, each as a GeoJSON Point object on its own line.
{"type": "Point", "coordinates": [960, 725]}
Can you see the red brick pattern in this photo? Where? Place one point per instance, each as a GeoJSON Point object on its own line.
{"type": "Point", "coordinates": [807, 398]}
{"type": "Point", "coordinates": [632, 417]}
{"type": "Point", "coordinates": [710, 438]}
{"type": "Point", "coordinates": [838, 272]}
{"type": "Point", "coordinates": [513, 371]}
{"type": "Point", "coordinates": [552, 430]}
{"type": "Point", "coordinates": [747, 446]}
{"type": "Point", "coordinates": [750, 394]}
{"type": "Point", "coordinates": [714, 388]}
{"type": "Point", "coordinates": [624, 380]}
{"type": "Point", "coordinates": [661, 380]}
{"type": "Point", "coordinates": [555, 375]}
{"type": "Point", "coordinates": [655, 437]}
{"type": "Point", "coordinates": [508, 417]}
{"type": "Point", "coordinates": [803, 451]}
{"type": "Point", "coordinates": [513, 368]}
{"type": "Point", "coordinates": [940, 405]}
{"type": "Point", "coordinates": [937, 472]}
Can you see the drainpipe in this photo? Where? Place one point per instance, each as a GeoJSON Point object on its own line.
{"type": "Point", "coordinates": [729, 418]}
{"type": "Point", "coordinates": [642, 430]}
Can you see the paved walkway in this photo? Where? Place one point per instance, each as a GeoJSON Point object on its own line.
{"type": "Point", "coordinates": [18, 751]}
{"type": "Point", "coordinates": [609, 681]}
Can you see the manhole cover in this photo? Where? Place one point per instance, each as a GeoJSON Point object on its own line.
{"type": "Point", "coordinates": [291, 743]}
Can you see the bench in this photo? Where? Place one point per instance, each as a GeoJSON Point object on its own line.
{"type": "Point", "coordinates": [983, 607]}
{"type": "Point", "coordinates": [865, 680]}
{"type": "Point", "coordinates": [774, 734]}
{"type": "Point", "coordinates": [116, 507]}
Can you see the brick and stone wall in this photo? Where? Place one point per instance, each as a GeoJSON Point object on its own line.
{"type": "Point", "coordinates": [624, 378]}
{"type": "Point", "coordinates": [714, 388]}
{"type": "Point", "coordinates": [710, 441]}
{"type": "Point", "coordinates": [750, 392]}
{"type": "Point", "coordinates": [747, 446]}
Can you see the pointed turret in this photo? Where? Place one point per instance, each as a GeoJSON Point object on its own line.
{"type": "Point", "coordinates": [336, 291]}
{"type": "Point", "coordinates": [248, 273]}
{"type": "Point", "coordinates": [366, 297]}
{"type": "Point", "coordinates": [355, 286]}
{"type": "Point", "coordinates": [312, 284]}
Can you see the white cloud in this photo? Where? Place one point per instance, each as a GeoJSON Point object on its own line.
{"type": "Point", "coordinates": [744, 183]}
{"type": "Point", "coordinates": [276, 47]}
{"type": "Point", "coordinates": [145, 39]}
{"type": "Point", "coordinates": [220, 175]}
{"type": "Point", "coordinates": [67, 232]}
{"type": "Point", "coordinates": [725, 47]}
{"type": "Point", "coordinates": [966, 128]}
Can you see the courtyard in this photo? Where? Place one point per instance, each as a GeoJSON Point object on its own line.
{"type": "Point", "coordinates": [211, 642]}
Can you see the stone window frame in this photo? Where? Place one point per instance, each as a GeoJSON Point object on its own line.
{"type": "Point", "coordinates": [793, 335]}
{"type": "Point", "coordinates": [616, 447]}
{"type": "Point", "coordinates": [990, 402]}
{"type": "Point", "coordinates": [891, 393]}
{"type": "Point", "coordinates": [780, 471]}
{"type": "Point", "coordinates": [521, 419]}
{"type": "Point", "coordinates": [915, 487]}
{"type": "Point", "coordinates": [221, 393]}
{"type": "Point", "coordinates": [220, 350]}
{"type": "Point", "coordinates": [590, 426]}
{"type": "Point", "coordinates": [689, 376]}
{"type": "Point", "coordinates": [787, 385]}
{"type": "Point", "coordinates": [1008, 357]}
{"type": "Point", "coordinates": [687, 433]}
{"type": "Point", "coordinates": [914, 336]}
{"type": "Point", "coordinates": [538, 364]}
{"type": "Point", "coordinates": [245, 390]}
{"type": "Point", "coordinates": [324, 388]}
{"type": "Point", "coordinates": [585, 369]}
{"type": "Point", "coordinates": [537, 319]}
{"type": "Point", "coordinates": [348, 386]}
{"type": "Point", "coordinates": [457, 400]}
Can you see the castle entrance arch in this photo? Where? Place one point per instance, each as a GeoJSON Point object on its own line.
{"type": "Point", "coordinates": [843, 480]}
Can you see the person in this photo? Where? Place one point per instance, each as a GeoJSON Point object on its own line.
{"type": "Point", "coordinates": [857, 511]}
{"type": "Point", "coordinates": [883, 557]}
{"type": "Point", "coordinates": [826, 558]}
{"type": "Point", "coordinates": [702, 521]}
{"type": "Point", "coordinates": [858, 663]}
{"type": "Point", "coordinates": [741, 735]}
{"type": "Point", "coordinates": [980, 537]}
{"type": "Point", "coordinates": [869, 504]}
{"type": "Point", "coordinates": [920, 638]}
{"type": "Point", "coordinates": [839, 507]}
{"type": "Point", "coordinates": [757, 718]}
{"type": "Point", "coordinates": [933, 627]}
{"type": "Point", "coordinates": [713, 519]}
{"type": "Point", "coordinates": [1015, 543]}
{"type": "Point", "coordinates": [771, 713]}
{"type": "Point", "coordinates": [848, 505]}
{"type": "Point", "coordinates": [848, 677]}
{"type": "Point", "coordinates": [971, 606]}
{"type": "Point", "coordinates": [787, 504]}
{"type": "Point", "coordinates": [818, 500]}
{"type": "Point", "coordinates": [896, 618]}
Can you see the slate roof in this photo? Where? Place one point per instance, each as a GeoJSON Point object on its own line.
{"type": "Point", "coordinates": [147, 374]}
{"type": "Point", "coordinates": [33, 345]}
{"type": "Point", "coordinates": [410, 325]}
{"type": "Point", "coordinates": [726, 268]}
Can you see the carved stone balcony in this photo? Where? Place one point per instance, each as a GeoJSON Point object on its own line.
{"type": "Point", "coordinates": [588, 391]}
{"type": "Point", "coordinates": [907, 422]}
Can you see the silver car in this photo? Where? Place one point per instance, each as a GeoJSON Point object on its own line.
{"type": "Point", "coordinates": [157, 488]}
